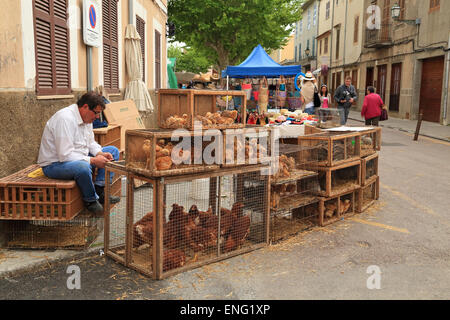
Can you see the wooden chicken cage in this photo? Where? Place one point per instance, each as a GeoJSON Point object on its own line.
{"type": "Point", "coordinates": [172, 224]}
{"type": "Point", "coordinates": [338, 179]}
{"type": "Point", "coordinates": [162, 152]}
{"type": "Point", "coordinates": [370, 141]}
{"type": "Point", "coordinates": [40, 198]}
{"type": "Point", "coordinates": [333, 148]}
{"type": "Point", "coordinates": [108, 136]}
{"type": "Point", "coordinates": [368, 195]}
{"type": "Point", "coordinates": [247, 146]}
{"type": "Point", "coordinates": [369, 169]}
{"type": "Point", "coordinates": [335, 208]}
{"type": "Point", "coordinates": [180, 108]}
{"type": "Point", "coordinates": [293, 218]}
{"type": "Point", "coordinates": [76, 234]}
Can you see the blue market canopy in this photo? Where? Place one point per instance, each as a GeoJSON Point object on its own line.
{"type": "Point", "coordinates": [260, 64]}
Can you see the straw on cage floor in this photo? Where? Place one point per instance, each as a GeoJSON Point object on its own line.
{"type": "Point", "coordinates": [40, 237]}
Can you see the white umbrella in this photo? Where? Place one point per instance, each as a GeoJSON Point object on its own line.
{"type": "Point", "coordinates": [136, 89]}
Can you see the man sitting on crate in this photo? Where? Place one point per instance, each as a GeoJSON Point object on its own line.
{"type": "Point", "coordinates": [68, 150]}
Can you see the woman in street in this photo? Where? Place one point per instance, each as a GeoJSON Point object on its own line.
{"type": "Point", "coordinates": [371, 110]}
{"type": "Point", "coordinates": [307, 93]}
{"type": "Point", "coordinates": [325, 99]}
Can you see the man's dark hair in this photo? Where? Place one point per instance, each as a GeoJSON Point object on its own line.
{"type": "Point", "coordinates": [348, 78]}
{"type": "Point", "coordinates": [371, 89]}
{"type": "Point", "coordinates": [92, 99]}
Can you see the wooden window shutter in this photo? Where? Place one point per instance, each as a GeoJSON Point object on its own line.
{"type": "Point", "coordinates": [157, 60]}
{"type": "Point", "coordinates": [356, 30]}
{"type": "Point", "coordinates": [140, 27]}
{"type": "Point", "coordinates": [110, 45]}
{"type": "Point", "coordinates": [52, 47]}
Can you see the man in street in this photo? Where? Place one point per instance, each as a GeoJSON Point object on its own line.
{"type": "Point", "coordinates": [68, 150]}
{"type": "Point", "coordinates": [345, 96]}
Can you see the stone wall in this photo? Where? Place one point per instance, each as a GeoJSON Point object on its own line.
{"type": "Point", "coordinates": [22, 121]}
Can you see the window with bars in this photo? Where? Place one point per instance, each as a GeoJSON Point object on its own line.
{"type": "Point", "coordinates": [315, 15]}
{"type": "Point", "coordinates": [338, 40]}
{"type": "Point", "coordinates": [355, 78]}
{"type": "Point", "coordinates": [140, 27]}
{"type": "Point", "coordinates": [356, 30]}
{"type": "Point", "coordinates": [52, 47]}
{"type": "Point", "coordinates": [309, 20]}
{"type": "Point", "coordinates": [327, 11]}
{"type": "Point", "coordinates": [325, 46]}
{"type": "Point", "coordinates": [157, 60]}
{"type": "Point", "coordinates": [110, 45]}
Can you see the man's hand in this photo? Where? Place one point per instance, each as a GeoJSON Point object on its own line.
{"type": "Point", "coordinates": [343, 101]}
{"type": "Point", "coordinates": [99, 161]}
{"type": "Point", "coordinates": [352, 100]}
{"type": "Point", "coordinates": [107, 155]}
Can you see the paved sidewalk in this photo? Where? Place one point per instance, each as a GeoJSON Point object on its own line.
{"type": "Point", "coordinates": [428, 129]}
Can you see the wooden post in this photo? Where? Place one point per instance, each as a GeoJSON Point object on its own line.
{"type": "Point", "coordinates": [419, 123]}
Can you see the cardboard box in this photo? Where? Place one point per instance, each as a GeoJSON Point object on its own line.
{"type": "Point", "coordinates": [126, 114]}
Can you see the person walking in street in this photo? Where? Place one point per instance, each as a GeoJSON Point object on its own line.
{"type": "Point", "coordinates": [325, 99]}
{"type": "Point", "coordinates": [68, 150]}
{"type": "Point", "coordinates": [371, 110]}
{"type": "Point", "coordinates": [307, 93]}
{"type": "Point", "coordinates": [345, 96]}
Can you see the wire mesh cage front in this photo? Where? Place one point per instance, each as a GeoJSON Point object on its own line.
{"type": "Point", "coordinates": [369, 169]}
{"type": "Point", "coordinates": [328, 210]}
{"type": "Point", "coordinates": [78, 233]}
{"type": "Point", "coordinates": [347, 204]}
{"type": "Point", "coordinates": [291, 220]}
{"type": "Point", "coordinates": [156, 152]}
{"type": "Point", "coordinates": [248, 146]}
{"type": "Point", "coordinates": [212, 108]}
{"type": "Point", "coordinates": [293, 162]}
{"type": "Point", "coordinates": [209, 219]}
{"type": "Point", "coordinates": [367, 195]}
{"type": "Point", "coordinates": [115, 214]}
{"type": "Point", "coordinates": [328, 118]}
{"type": "Point", "coordinates": [370, 142]}
{"type": "Point", "coordinates": [333, 148]}
{"type": "Point", "coordinates": [336, 180]}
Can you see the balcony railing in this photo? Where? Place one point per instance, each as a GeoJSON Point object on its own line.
{"type": "Point", "coordinates": [378, 38]}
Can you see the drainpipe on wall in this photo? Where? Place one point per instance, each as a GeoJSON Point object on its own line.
{"type": "Point", "coordinates": [331, 46]}
{"type": "Point", "coordinates": [89, 67]}
{"type": "Point", "coordinates": [446, 83]}
{"type": "Point", "coordinates": [345, 31]}
{"type": "Point", "coordinates": [130, 11]}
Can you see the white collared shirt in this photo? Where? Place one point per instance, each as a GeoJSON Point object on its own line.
{"type": "Point", "coordinates": [67, 138]}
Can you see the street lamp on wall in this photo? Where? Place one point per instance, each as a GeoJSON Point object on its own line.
{"type": "Point", "coordinates": [307, 52]}
{"type": "Point", "coordinates": [396, 11]}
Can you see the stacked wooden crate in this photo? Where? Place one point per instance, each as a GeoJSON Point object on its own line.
{"type": "Point", "coordinates": [348, 171]}
{"type": "Point", "coordinates": [182, 210]}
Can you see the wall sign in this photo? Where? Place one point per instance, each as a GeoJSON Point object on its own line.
{"type": "Point", "coordinates": [91, 23]}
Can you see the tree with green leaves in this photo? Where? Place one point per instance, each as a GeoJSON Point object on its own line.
{"type": "Point", "coordinates": [188, 60]}
{"type": "Point", "coordinates": [226, 31]}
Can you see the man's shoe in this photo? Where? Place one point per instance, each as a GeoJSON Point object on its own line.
{"type": "Point", "coordinates": [95, 207]}
{"type": "Point", "coordinates": [101, 196]}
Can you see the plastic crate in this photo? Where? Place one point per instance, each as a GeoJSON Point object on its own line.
{"type": "Point", "coordinates": [25, 198]}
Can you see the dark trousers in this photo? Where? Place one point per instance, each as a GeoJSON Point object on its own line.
{"type": "Point", "coordinates": [373, 121]}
